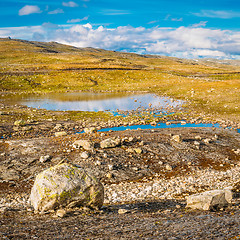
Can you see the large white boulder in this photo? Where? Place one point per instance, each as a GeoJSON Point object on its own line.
{"type": "Point", "coordinates": [210, 200]}
{"type": "Point", "coordinates": [65, 186]}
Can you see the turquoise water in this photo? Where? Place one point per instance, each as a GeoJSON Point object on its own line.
{"type": "Point", "coordinates": [158, 126]}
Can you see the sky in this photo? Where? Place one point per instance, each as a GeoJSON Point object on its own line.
{"type": "Point", "coordinates": [185, 29]}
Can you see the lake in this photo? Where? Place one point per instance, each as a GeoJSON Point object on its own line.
{"type": "Point", "coordinates": [88, 101]}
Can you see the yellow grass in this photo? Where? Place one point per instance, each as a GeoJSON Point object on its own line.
{"type": "Point", "coordinates": [212, 88]}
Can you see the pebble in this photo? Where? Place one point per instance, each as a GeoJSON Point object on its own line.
{"type": "Point", "coordinates": [207, 140]}
{"type": "Point", "coordinates": [122, 211]}
{"type": "Point", "coordinates": [44, 159]}
{"type": "Point", "coordinates": [84, 155]}
{"type": "Point", "coordinates": [168, 167]}
{"type": "Point", "coordinates": [61, 213]}
{"type": "Point", "coordinates": [168, 188]}
{"type": "Point", "coordinates": [109, 175]}
{"type": "Point", "coordinates": [60, 134]}
{"type": "Point", "coordinates": [176, 138]}
{"type": "Point", "coordinates": [97, 163]}
{"type": "Point", "coordinates": [110, 167]}
{"type": "Point", "coordinates": [198, 137]}
{"type": "Point", "coordinates": [138, 150]}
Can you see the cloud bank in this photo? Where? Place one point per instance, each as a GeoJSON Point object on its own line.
{"type": "Point", "coordinates": [29, 9]}
{"type": "Point", "coordinates": [187, 42]}
{"type": "Point", "coordinates": [70, 4]}
{"type": "Point", "coordinates": [56, 11]}
{"type": "Point", "coordinates": [218, 14]}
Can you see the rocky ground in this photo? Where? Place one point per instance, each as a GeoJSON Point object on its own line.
{"type": "Point", "coordinates": [146, 179]}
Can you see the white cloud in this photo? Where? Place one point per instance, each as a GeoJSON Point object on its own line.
{"type": "Point", "coordinates": [187, 42]}
{"type": "Point", "coordinates": [218, 14]}
{"type": "Point", "coordinates": [56, 11]}
{"type": "Point", "coordinates": [78, 20]}
{"type": "Point", "coordinates": [152, 22]}
{"type": "Point", "coordinates": [113, 12]}
{"type": "Point", "coordinates": [200, 24]}
{"type": "Point", "coordinates": [177, 19]}
{"type": "Point", "coordinates": [29, 9]}
{"type": "Point", "coordinates": [70, 4]}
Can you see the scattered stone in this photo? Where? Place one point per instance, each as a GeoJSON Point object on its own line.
{"type": "Point", "coordinates": [207, 140]}
{"type": "Point", "coordinates": [61, 213]}
{"type": "Point", "coordinates": [209, 200]}
{"type": "Point", "coordinates": [84, 155]}
{"type": "Point", "coordinates": [85, 144]}
{"type": "Point", "coordinates": [168, 167]}
{"type": "Point", "coordinates": [196, 143]}
{"type": "Point", "coordinates": [60, 134]}
{"type": "Point", "coordinates": [110, 167]}
{"type": "Point", "coordinates": [130, 150]}
{"type": "Point", "coordinates": [26, 128]}
{"type": "Point", "coordinates": [109, 175]}
{"type": "Point", "coordinates": [97, 163]}
{"type": "Point", "coordinates": [177, 138]}
{"type": "Point", "coordinates": [198, 137]}
{"type": "Point", "coordinates": [58, 126]}
{"type": "Point", "coordinates": [90, 130]}
{"type": "Point", "coordinates": [237, 151]}
{"type": "Point", "coordinates": [138, 150]}
{"type": "Point", "coordinates": [122, 211]}
{"type": "Point", "coordinates": [110, 142]}
{"type": "Point", "coordinates": [65, 186]}
{"type": "Point", "coordinates": [153, 123]}
{"type": "Point", "coordinates": [44, 159]}
{"type": "Point", "coordinates": [19, 123]}
{"type": "Point", "coordinates": [131, 139]}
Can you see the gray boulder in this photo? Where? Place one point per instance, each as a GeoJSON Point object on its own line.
{"type": "Point", "coordinates": [110, 142]}
{"type": "Point", "coordinates": [85, 144]}
{"type": "Point", "coordinates": [66, 186]}
{"type": "Point", "coordinates": [210, 200]}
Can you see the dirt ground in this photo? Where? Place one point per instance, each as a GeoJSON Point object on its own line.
{"type": "Point", "coordinates": [147, 219]}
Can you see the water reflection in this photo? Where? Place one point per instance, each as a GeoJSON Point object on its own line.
{"type": "Point", "coordinates": [96, 101]}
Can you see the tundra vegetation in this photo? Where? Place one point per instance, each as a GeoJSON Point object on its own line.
{"type": "Point", "coordinates": [210, 87]}
{"type": "Point", "coordinates": [146, 174]}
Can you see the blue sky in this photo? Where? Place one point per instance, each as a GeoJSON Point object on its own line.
{"type": "Point", "coordinates": [186, 28]}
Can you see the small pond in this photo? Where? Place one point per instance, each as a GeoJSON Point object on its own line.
{"type": "Point", "coordinates": [87, 101]}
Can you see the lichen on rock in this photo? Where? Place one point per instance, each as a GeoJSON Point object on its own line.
{"type": "Point", "coordinates": [65, 186]}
